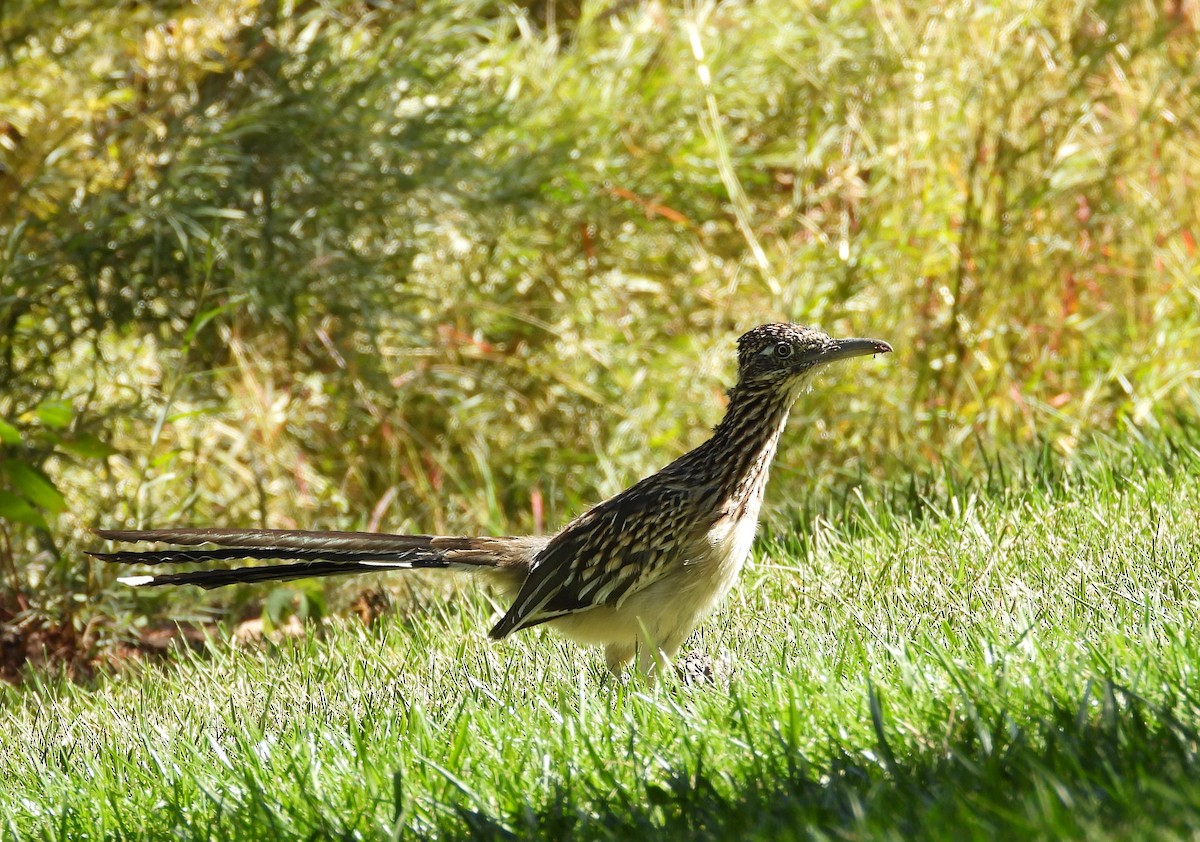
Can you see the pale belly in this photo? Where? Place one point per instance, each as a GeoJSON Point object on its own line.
{"type": "Point", "coordinates": [667, 610]}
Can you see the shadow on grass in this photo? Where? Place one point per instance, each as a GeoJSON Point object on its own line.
{"type": "Point", "coordinates": [1112, 765]}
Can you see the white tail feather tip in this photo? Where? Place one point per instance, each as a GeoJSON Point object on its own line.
{"type": "Point", "coordinates": [135, 581]}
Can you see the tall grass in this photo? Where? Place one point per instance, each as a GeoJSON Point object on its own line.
{"type": "Point", "coordinates": [356, 265]}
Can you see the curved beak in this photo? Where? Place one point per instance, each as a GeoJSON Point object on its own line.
{"type": "Point", "coordinates": [844, 349]}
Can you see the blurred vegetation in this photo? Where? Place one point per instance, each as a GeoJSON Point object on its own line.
{"type": "Point", "coordinates": [451, 266]}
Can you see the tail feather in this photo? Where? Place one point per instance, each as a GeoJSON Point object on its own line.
{"type": "Point", "coordinates": [210, 579]}
{"type": "Point", "coordinates": [293, 539]}
{"type": "Point", "coordinates": [401, 558]}
{"type": "Point", "coordinates": [315, 554]}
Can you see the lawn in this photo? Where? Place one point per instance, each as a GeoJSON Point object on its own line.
{"type": "Point", "coordinates": [1013, 656]}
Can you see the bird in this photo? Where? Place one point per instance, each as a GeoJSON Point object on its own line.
{"type": "Point", "coordinates": [635, 574]}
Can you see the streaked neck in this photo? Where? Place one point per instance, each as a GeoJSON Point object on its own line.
{"type": "Point", "coordinates": [742, 446]}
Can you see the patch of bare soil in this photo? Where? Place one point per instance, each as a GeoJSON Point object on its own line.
{"type": "Point", "coordinates": [33, 643]}
{"type": "Point", "coordinates": [28, 643]}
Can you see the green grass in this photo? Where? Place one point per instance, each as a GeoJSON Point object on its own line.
{"type": "Point", "coordinates": [1011, 656]}
{"type": "Point", "coordinates": [433, 266]}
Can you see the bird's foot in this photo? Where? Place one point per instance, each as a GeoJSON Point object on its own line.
{"type": "Point", "coordinates": [696, 667]}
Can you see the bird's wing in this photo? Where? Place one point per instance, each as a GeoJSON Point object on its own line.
{"type": "Point", "coordinates": [604, 556]}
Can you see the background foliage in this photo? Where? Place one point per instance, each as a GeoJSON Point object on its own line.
{"type": "Point", "coordinates": [455, 267]}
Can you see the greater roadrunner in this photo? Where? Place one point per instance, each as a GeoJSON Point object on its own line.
{"type": "Point", "coordinates": [634, 574]}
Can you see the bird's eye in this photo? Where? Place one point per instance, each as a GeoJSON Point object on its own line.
{"type": "Point", "coordinates": [783, 350]}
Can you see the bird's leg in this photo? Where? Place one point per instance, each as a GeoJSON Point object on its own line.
{"type": "Point", "coordinates": [655, 657]}
{"type": "Point", "coordinates": [618, 656]}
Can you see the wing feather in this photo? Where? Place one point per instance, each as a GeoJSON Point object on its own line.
{"type": "Point", "coordinates": [604, 556]}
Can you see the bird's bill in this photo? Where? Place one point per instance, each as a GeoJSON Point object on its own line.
{"type": "Point", "coordinates": [844, 349]}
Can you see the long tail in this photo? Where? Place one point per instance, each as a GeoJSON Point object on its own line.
{"type": "Point", "coordinates": [315, 554]}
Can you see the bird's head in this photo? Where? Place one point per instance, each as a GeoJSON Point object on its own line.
{"type": "Point", "coordinates": [781, 356]}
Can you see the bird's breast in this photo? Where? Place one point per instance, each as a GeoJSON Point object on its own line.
{"type": "Point", "coordinates": [731, 536]}
{"type": "Point", "coordinates": [728, 544]}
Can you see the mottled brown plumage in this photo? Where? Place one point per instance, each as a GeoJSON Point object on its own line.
{"type": "Point", "coordinates": [634, 574]}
